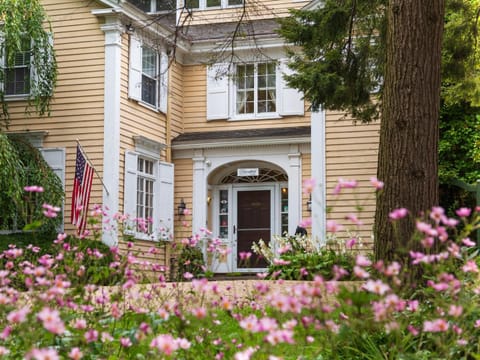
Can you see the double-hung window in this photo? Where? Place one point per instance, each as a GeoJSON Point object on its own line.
{"type": "Point", "coordinates": [145, 194]}
{"type": "Point", "coordinates": [251, 91]}
{"type": "Point", "coordinates": [148, 192]}
{"type": "Point", "coordinates": [148, 75]}
{"type": "Point", "coordinates": [17, 76]}
{"type": "Point", "coordinates": [255, 89]}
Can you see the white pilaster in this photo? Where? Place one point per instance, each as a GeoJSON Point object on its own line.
{"type": "Point", "coordinates": [319, 174]}
{"type": "Point", "coordinates": [294, 189]}
{"type": "Point", "coordinates": [199, 205]}
{"type": "Point", "coordinates": [111, 130]}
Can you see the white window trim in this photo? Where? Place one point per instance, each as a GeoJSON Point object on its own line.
{"type": "Point", "coordinates": [136, 73]}
{"type": "Point", "coordinates": [202, 5]}
{"type": "Point", "coordinates": [163, 212]}
{"type": "Point", "coordinates": [255, 115]}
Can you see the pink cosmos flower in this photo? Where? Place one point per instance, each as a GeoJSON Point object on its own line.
{"type": "Point", "coordinates": [19, 316]}
{"type": "Point", "coordinates": [344, 184]}
{"type": "Point", "coordinates": [455, 310]}
{"type": "Point", "coordinates": [51, 321]}
{"type": "Point", "coordinates": [437, 325]}
{"type": "Point", "coordinates": [360, 272]}
{"type": "Point", "coordinates": [397, 214]}
{"type": "Point", "coordinates": [125, 342]}
{"type": "Point", "coordinates": [362, 260]}
{"type": "Point", "coordinates": [75, 354]}
{"type": "Point", "coordinates": [350, 243]}
{"type": "Point", "coordinates": [468, 242]}
{"type": "Point", "coordinates": [414, 331]}
{"type": "Point", "coordinates": [245, 255]}
{"type": "Point", "coordinates": [463, 212]}
{"type": "Point", "coordinates": [308, 186]}
{"type": "Point", "coordinates": [33, 188]}
{"type": "Point", "coordinates": [245, 355]}
{"type": "Point", "coordinates": [165, 343]}
{"type": "Point", "coordinates": [91, 335]}
{"type": "Point", "coordinates": [470, 266]}
{"type": "Point", "coordinates": [376, 287]}
{"type": "Point", "coordinates": [43, 354]}
{"type": "Point", "coordinates": [333, 226]}
{"type": "Point", "coordinates": [377, 184]}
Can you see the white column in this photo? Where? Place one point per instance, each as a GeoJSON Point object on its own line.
{"type": "Point", "coordinates": [294, 189]}
{"type": "Point", "coordinates": [111, 130]}
{"type": "Point", "coordinates": [318, 173]}
{"type": "Point", "coordinates": [199, 198]}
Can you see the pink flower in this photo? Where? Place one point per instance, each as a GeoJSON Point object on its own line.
{"type": "Point", "coordinates": [51, 321]}
{"type": "Point", "coordinates": [413, 330]}
{"type": "Point", "coordinates": [463, 212]}
{"type": "Point", "coordinates": [360, 272]}
{"type": "Point", "coordinates": [75, 354]}
{"type": "Point", "coordinates": [308, 186]}
{"type": "Point", "coordinates": [125, 342]}
{"type": "Point", "coordinates": [19, 316]}
{"type": "Point", "coordinates": [468, 242]}
{"type": "Point", "coordinates": [398, 214]}
{"type": "Point", "coordinates": [164, 343]}
{"type": "Point", "coordinates": [350, 243]}
{"type": "Point", "coordinates": [470, 266]}
{"type": "Point", "coordinates": [377, 184]}
{"type": "Point", "coordinates": [33, 188]}
{"type": "Point", "coordinates": [376, 287]}
{"type": "Point", "coordinates": [344, 184]}
{"type": "Point", "coordinates": [361, 260]}
{"type": "Point", "coordinates": [244, 255]}
{"type": "Point", "coordinates": [333, 226]}
{"type": "Point", "coordinates": [91, 335]}
{"type": "Point", "coordinates": [455, 310]}
{"type": "Point", "coordinates": [43, 354]}
{"type": "Point", "coordinates": [437, 325]}
{"type": "Point", "coordinates": [245, 355]}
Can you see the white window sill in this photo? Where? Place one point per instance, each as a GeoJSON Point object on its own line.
{"type": "Point", "coordinates": [266, 116]}
{"type": "Point", "coordinates": [21, 97]}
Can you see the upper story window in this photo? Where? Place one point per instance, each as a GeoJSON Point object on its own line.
{"type": "Point", "coordinates": [148, 76]}
{"type": "Point", "coordinates": [154, 5]}
{"type": "Point", "coordinates": [252, 91]}
{"type": "Point", "coordinates": [206, 4]}
{"type": "Point", "coordinates": [255, 89]}
{"type": "Point", "coordinates": [145, 194]}
{"type": "Point", "coordinates": [17, 77]}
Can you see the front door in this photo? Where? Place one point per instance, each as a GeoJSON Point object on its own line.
{"type": "Point", "coordinates": [253, 222]}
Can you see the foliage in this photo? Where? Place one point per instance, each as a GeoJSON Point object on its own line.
{"type": "Point", "coordinates": [190, 260]}
{"type": "Point", "coordinates": [339, 70]}
{"type": "Point", "coordinates": [382, 316]}
{"type": "Point", "coordinates": [22, 165]}
{"type": "Point", "coordinates": [23, 22]}
{"type": "Point", "coordinates": [336, 69]}
{"type": "Point", "coordinates": [459, 147]}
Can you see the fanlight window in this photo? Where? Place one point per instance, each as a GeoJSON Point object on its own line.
{"type": "Point", "coordinates": [264, 175]}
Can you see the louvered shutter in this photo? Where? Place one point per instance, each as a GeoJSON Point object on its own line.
{"type": "Point", "coordinates": [135, 69]}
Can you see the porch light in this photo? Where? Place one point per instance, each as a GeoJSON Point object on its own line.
{"type": "Point", "coordinates": [309, 203]}
{"type": "Point", "coordinates": [181, 208]}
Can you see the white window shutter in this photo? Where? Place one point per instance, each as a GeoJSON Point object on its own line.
{"type": "Point", "coordinates": [163, 105]}
{"type": "Point", "coordinates": [130, 189]}
{"type": "Point", "coordinates": [164, 201]}
{"type": "Point", "coordinates": [135, 69]}
{"type": "Point", "coordinates": [290, 101]}
{"type": "Point", "coordinates": [55, 158]}
{"type": "Point", "coordinates": [217, 92]}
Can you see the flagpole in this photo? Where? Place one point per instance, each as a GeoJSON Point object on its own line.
{"type": "Point", "coordinates": [93, 167]}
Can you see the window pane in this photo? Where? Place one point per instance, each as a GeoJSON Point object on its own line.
{"type": "Point", "coordinates": [163, 5]}
{"type": "Point", "coordinates": [235, 2]}
{"type": "Point", "coordinates": [149, 62]}
{"type": "Point", "coordinates": [192, 4]}
{"type": "Point", "coordinates": [143, 5]}
{"type": "Point", "coordinates": [149, 92]}
{"type": "Point", "coordinates": [212, 3]}
{"type": "Point", "coordinates": [17, 81]}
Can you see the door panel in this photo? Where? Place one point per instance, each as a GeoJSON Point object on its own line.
{"type": "Point", "coordinates": [253, 224]}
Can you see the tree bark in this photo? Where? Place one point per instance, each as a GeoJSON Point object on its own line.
{"type": "Point", "coordinates": [408, 153]}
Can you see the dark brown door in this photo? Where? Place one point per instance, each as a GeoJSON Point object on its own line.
{"type": "Point", "coordinates": [253, 224]}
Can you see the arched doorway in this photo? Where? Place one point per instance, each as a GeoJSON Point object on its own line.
{"type": "Point", "coordinates": [249, 202]}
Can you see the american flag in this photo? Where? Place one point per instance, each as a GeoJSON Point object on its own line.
{"type": "Point", "coordinates": [82, 185]}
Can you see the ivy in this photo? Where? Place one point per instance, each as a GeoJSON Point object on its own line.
{"type": "Point", "coordinates": [23, 22]}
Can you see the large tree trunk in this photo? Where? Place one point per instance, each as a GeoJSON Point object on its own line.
{"type": "Point", "coordinates": [408, 156]}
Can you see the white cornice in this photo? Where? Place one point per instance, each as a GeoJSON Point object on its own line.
{"type": "Point", "coordinates": [240, 142]}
